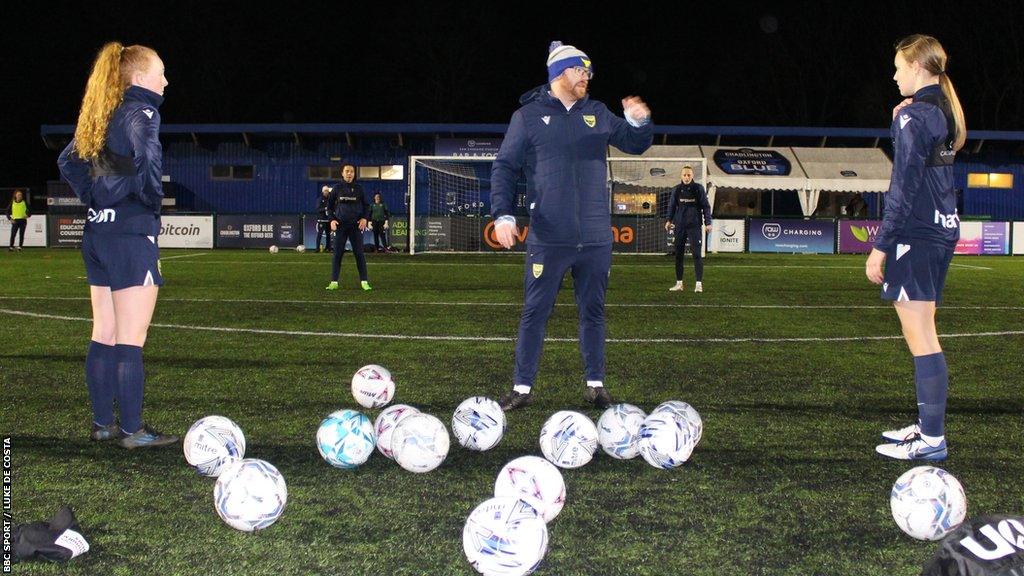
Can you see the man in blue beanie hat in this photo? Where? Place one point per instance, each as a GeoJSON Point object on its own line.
{"type": "Point", "coordinates": [559, 138]}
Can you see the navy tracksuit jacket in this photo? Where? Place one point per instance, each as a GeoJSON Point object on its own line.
{"type": "Point", "coordinates": [921, 202]}
{"type": "Point", "coordinates": [122, 188]}
{"type": "Point", "coordinates": [564, 156]}
{"type": "Point", "coordinates": [920, 226]}
{"type": "Point", "coordinates": [348, 207]}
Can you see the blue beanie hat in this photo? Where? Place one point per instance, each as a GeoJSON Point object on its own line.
{"type": "Point", "coordinates": [562, 56]}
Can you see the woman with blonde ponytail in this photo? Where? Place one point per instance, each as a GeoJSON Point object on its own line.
{"type": "Point", "coordinates": [114, 166]}
{"type": "Point", "coordinates": [919, 231]}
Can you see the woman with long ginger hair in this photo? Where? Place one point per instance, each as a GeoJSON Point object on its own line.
{"type": "Point", "coordinates": [114, 166]}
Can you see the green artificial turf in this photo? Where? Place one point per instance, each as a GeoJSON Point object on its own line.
{"type": "Point", "coordinates": [775, 354]}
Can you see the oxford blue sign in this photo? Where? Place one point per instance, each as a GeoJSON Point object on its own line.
{"type": "Point", "coordinates": [747, 161]}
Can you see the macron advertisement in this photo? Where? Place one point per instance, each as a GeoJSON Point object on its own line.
{"type": "Point", "coordinates": [984, 238]}
{"type": "Point", "coordinates": [792, 236]}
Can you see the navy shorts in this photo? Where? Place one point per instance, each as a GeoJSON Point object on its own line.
{"type": "Point", "coordinates": [915, 270]}
{"type": "Point", "coordinates": [121, 260]}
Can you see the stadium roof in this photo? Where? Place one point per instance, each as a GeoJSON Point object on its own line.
{"type": "Point", "coordinates": [55, 135]}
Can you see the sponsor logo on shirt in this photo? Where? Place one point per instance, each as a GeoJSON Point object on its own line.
{"type": "Point", "coordinates": [103, 216]}
{"type": "Point", "coordinates": [949, 221]}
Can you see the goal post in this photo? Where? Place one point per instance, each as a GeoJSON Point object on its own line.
{"type": "Point", "coordinates": [449, 203]}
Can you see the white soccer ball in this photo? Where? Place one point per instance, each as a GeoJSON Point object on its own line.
{"type": "Point", "coordinates": [420, 443]}
{"type": "Point", "coordinates": [535, 481]}
{"type": "Point", "coordinates": [273, 249]}
{"type": "Point", "coordinates": [250, 495]}
{"type": "Point", "coordinates": [300, 248]}
{"type": "Point", "coordinates": [665, 441]}
{"type": "Point", "coordinates": [345, 439]}
{"type": "Point", "coordinates": [568, 439]}
{"type": "Point", "coordinates": [385, 424]}
{"type": "Point", "coordinates": [478, 423]}
{"type": "Point", "coordinates": [687, 413]}
{"type": "Point", "coordinates": [618, 430]}
{"type": "Point", "coordinates": [504, 536]}
{"type": "Point", "coordinates": [372, 386]}
{"type": "Point", "coordinates": [212, 443]}
{"type": "Point", "coordinates": [927, 502]}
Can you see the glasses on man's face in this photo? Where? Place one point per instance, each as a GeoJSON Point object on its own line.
{"type": "Point", "coordinates": [581, 71]}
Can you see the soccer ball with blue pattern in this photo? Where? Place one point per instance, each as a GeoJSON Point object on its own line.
{"type": "Point", "coordinates": [927, 502]}
{"type": "Point", "coordinates": [212, 443]}
{"type": "Point", "coordinates": [568, 439]}
{"type": "Point", "coordinates": [506, 537]}
{"type": "Point", "coordinates": [478, 423]}
{"type": "Point", "coordinates": [420, 443]}
{"type": "Point", "coordinates": [345, 439]}
{"type": "Point", "coordinates": [685, 412]}
{"type": "Point", "coordinates": [618, 430]}
{"type": "Point", "coordinates": [665, 441]}
{"type": "Point", "coordinates": [250, 495]}
{"type": "Point", "coordinates": [535, 481]}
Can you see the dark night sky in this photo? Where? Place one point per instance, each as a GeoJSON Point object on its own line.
{"type": "Point", "coordinates": [726, 63]}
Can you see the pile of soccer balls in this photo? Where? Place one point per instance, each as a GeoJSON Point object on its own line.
{"type": "Point", "coordinates": [665, 438]}
{"type": "Point", "coordinates": [507, 534]}
{"type": "Point", "coordinates": [418, 442]}
{"type": "Point", "coordinates": [250, 494]}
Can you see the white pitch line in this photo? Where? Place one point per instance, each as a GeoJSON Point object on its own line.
{"type": "Point", "coordinates": [518, 304]}
{"type": "Point", "coordinates": [712, 266]}
{"type": "Point", "coordinates": [433, 338]}
{"type": "Point", "coordinates": [969, 266]}
{"type": "Point", "coordinates": [184, 256]}
{"type": "Point", "coordinates": [520, 264]}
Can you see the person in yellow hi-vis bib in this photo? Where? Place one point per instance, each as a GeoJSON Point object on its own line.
{"type": "Point", "coordinates": [17, 213]}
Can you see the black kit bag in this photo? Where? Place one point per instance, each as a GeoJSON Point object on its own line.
{"type": "Point", "coordinates": [985, 546]}
{"type": "Point", "coordinates": [58, 540]}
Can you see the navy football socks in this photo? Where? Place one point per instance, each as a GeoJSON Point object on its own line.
{"type": "Point", "coordinates": [129, 386]}
{"type": "Point", "coordinates": [100, 362]}
{"type": "Point", "coordinates": [932, 379]}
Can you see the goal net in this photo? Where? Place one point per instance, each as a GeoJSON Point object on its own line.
{"type": "Point", "coordinates": [450, 203]}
